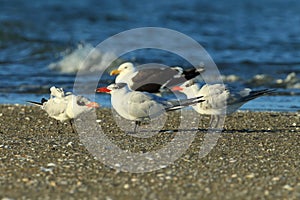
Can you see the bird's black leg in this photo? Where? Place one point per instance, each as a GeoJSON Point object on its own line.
{"type": "Point", "coordinates": [137, 123]}
{"type": "Point", "coordinates": [57, 124]}
{"type": "Point", "coordinates": [217, 123]}
{"type": "Point", "coordinates": [212, 121]}
{"type": "Point", "coordinates": [72, 125]}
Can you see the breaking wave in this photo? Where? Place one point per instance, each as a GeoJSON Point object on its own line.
{"type": "Point", "coordinates": [85, 57]}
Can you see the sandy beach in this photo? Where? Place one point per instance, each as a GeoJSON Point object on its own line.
{"type": "Point", "coordinates": [256, 157]}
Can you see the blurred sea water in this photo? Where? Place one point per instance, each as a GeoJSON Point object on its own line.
{"type": "Point", "coordinates": [253, 43]}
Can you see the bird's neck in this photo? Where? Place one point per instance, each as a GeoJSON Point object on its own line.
{"type": "Point", "coordinates": [125, 77]}
{"type": "Point", "coordinates": [191, 91]}
{"type": "Point", "coordinates": [120, 93]}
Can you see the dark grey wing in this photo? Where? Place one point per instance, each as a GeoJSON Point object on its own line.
{"type": "Point", "coordinates": [154, 78]}
{"type": "Point", "coordinates": [151, 79]}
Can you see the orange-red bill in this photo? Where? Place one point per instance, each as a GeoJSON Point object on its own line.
{"type": "Point", "coordinates": [177, 88]}
{"type": "Point", "coordinates": [93, 105]}
{"type": "Point", "coordinates": [103, 90]}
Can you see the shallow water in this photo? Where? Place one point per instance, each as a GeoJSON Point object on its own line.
{"type": "Point", "coordinates": [42, 43]}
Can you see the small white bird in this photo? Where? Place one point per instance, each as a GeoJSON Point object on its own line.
{"type": "Point", "coordinates": [65, 106]}
{"type": "Point", "coordinates": [154, 77]}
{"type": "Point", "coordinates": [219, 98]}
{"type": "Point", "coordinates": [141, 106]}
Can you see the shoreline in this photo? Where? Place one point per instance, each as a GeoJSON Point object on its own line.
{"type": "Point", "coordinates": [256, 156]}
{"type": "Point", "coordinates": [187, 108]}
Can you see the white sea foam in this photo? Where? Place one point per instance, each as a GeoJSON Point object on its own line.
{"type": "Point", "coordinates": [291, 81]}
{"type": "Point", "coordinates": [84, 57]}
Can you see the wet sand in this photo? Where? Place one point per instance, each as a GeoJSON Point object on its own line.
{"type": "Point", "coordinates": [256, 157]}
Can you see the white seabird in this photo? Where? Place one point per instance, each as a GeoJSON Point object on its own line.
{"type": "Point", "coordinates": [141, 106]}
{"type": "Point", "coordinates": [219, 98]}
{"type": "Point", "coordinates": [65, 106]}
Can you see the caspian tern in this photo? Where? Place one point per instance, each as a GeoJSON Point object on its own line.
{"type": "Point", "coordinates": [140, 106]}
{"type": "Point", "coordinates": [65, 106]}
{"type": "Point", "coordinates": [219, 98]}
{"type": "Point", "coordinates": [153, 78]}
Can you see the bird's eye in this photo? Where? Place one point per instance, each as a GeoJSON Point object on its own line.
{"type": "Point", "coordinates": [115, 87]}
{"type": "Point", "coordinates": [125, 67]}
{"type": "Point", "coordinates": [81, 103]}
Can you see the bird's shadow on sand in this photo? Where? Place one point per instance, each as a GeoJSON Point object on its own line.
{"type": "Point", "coordinates": [251, 130]}
{"type": "Point", "coordinates": [203, 130]}
{"type": "Point", "coordinates": [169, 131]}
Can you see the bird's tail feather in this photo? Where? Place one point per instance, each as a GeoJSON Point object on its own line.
{"type": "Point", "coordinates": [184, 103]}
{"type": "Point", "coordinates": [38, 103]}
{"type": "Point", "coordinates": [35, 103]}
{"type": "Point", "coordinates": [258, 93]}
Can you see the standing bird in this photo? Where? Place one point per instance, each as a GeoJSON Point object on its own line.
{"type": "Point", "coordinates": [65, 106]}
{"type": "Point", "coordinates": [153, 79]}
{"type": "Point", "coordinates": [219, 99]}
{"type": "Point", "coordinates": [141, 106]}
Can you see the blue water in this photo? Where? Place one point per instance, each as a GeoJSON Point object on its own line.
{"type": "Point", "coordinates": [245, 38]}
